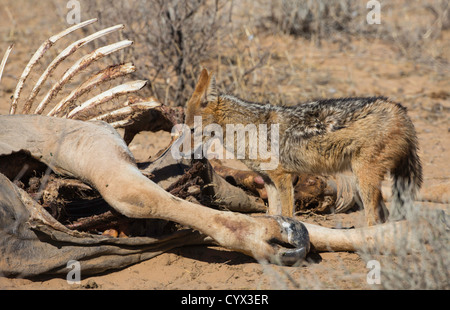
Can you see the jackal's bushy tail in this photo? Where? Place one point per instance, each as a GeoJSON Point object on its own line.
{"type": "Point", "coordinates": [407, 180]}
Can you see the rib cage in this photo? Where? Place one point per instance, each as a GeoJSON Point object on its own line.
{"type": "Point", "coordinates": [119, 115]}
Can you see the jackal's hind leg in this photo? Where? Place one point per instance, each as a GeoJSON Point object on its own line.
{"type": "Point", "coordinates": [369, 185]}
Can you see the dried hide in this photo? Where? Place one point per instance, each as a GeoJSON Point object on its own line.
{"type": "Point", "coordinates": [33, 243]}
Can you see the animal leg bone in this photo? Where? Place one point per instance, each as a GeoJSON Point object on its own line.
{"type": "Point", "coordinates": [95, 153]}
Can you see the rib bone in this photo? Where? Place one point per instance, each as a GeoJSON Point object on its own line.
{"type": "Point", "coordinates": [5, 58]}
{"type": "Point", "coordinates": [37, 55]}
{"type": "Point", "coordinates": [106, 96]}
{"type": "Point", "coordinates": [72, 48]}
{"type": "Point", "coordinates": [120, 114]}
{"type": "Point", "coordinates": [102, 76]}
{"type": "Point", "coordinates": [62, 108]}
{"type": "Point", "coordinates": [80, 65]}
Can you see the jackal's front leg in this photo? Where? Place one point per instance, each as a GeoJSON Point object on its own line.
{"type": "Point", "coordinates": [280, 193]}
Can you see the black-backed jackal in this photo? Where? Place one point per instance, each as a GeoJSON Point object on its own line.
{"type": "Point", "coordinates": [368, 136]}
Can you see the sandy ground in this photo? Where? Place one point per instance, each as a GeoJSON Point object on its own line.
{"type": "Point", "coordinates": [362, 70]}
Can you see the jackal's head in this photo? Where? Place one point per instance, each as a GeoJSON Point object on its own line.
{"type": "Point", "coordinates": [205, 93]}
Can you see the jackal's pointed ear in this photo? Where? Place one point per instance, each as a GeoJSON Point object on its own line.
{"type": "Point", "coordinates": [211, 92]}
{"type": "Point", "coordinates": [200, 89]}
{"type": "Point", "coordinates": [200, 98]}
{"type": "Point", "coordinates": [205, 90]}
{"type": "Point", "coordinates": [202, 84]}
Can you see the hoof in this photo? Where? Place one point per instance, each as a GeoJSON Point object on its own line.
{"type": "Point", "coordinates": [296, 243]}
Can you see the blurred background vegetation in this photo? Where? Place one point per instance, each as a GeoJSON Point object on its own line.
{"type": "Point", "coordinates": [239, 39]}
{"type": "Point", "coordinates": [260, 50]}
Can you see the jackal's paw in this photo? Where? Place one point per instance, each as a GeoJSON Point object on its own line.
{"type": "Point", "coordinates": [292, 244]}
